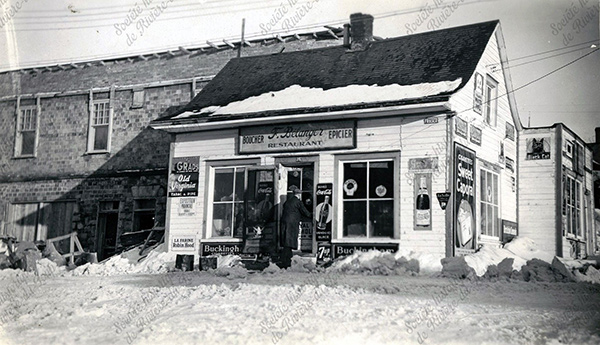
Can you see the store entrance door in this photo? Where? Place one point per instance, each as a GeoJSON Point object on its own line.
{"type": "Point", "coordinates": [302, 176]}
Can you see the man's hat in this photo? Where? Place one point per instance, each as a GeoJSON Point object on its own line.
{"type": "Point", "coordinates": [295, 190]}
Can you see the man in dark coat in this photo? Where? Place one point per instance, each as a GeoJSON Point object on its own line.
{"type": "Point", "coordinates": [293, 211]}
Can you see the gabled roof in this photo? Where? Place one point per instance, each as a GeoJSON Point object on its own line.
{"type": "Point", "coordinates": [427, 58]}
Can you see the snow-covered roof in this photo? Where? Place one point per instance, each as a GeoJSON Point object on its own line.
{"type": "Point", "coordinates": [418, 68]}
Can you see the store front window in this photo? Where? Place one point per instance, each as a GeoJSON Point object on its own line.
{"type": "Point", "coordinates": [368, 198]}
{"type": "Point", "coordinates": [489, 204]}
{"type": "Point", "coordinates": [227, 202]}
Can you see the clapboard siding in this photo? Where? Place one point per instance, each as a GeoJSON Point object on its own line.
{"type": "Point", "coordinates": [537, 192]}
{"type": "Point", "coordinates": [492, 136]}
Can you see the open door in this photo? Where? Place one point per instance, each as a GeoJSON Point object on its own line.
{"type": "Point", "coordinates": [301, 176]}
{"type": "Point", "coordinates": [260, 234]}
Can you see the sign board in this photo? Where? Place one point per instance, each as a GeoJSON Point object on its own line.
{"type": "Point", "coordinates": [422, 198]}
{"type": "Point", "coordinates": [350, 248]}
{"type": "Point", "coordinates": [478, 94]}
{"type": "Point", "coordinates": [323, 218]}
{"type": "Point", "coordinates": [510, 132]}
{"type": "Point", "coordinates": [476, 135]}
{"type": "Point", "coordinates": [298, 137]}
{"type": "Point", "coordinates": [424, 163]}
{"type": "Point", "coordinates": [462, 128]}
{"type": "Point", "coordinates": [184, 244]}
{"type": "Point", "coordinates": [443, 199]}
{"type": "Point", "coordinates": [184, 176]}
{"type": "Point", "coordinates": [187, 207]}
{"type": "Point", "coordinates": [430, 120]}
{"type": "Point", "coordinates": [538, 148]}
{"type": "Point", "coordinates": [464, 200]}
{"type": "Point", "coordinates": [510, 230]}
{"type": "Point", "coordinates": [220, 249]}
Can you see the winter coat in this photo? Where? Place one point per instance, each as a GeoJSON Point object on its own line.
{"type": "Point", "coordinates": [293, 211]}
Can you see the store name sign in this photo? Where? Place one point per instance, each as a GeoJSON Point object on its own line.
{"type": "Point", "coordinates": [298, 137]}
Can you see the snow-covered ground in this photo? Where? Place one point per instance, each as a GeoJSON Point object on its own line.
{"type": "Point", "coordinates": [293, 308]}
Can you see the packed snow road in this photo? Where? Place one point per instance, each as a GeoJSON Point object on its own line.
{"type": "Point", "coordinates": [293, 308]}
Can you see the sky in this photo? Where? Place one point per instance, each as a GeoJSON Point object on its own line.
{"type": "Point", "coordinates": [544, 38]}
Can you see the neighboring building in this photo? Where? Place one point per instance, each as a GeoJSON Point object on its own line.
{"type": "Point", "coordinates": [75, 149]}
{"type": "Point", "coordinates": [371, 131]}
{"type": "Point", "coordinates": [556, 191]}
{"type": "Point", "coordinates": [595, 147]}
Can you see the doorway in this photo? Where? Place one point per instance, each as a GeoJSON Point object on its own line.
{"type": "Point", "coordinates": [302, 176]}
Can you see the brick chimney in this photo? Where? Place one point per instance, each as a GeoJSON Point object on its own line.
{"type": "Point", "coordinates": [361, 28]}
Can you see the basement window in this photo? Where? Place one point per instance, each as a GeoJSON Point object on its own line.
{"type": "Point", "coordinates": [143, 214]}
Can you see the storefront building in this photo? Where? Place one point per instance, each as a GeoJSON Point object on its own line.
{"type": "Point", "coordinates": [557, 189]}
{"type": "Point", "coordinates": [409, 142]}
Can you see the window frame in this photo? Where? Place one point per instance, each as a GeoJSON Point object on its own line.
{"type": "Point", "coordinates": [338, 221]}
{"type": "Point", "coordinates": [572, 203]}
{"type": "Point", "coordinates": [137, 211]}
{"type": "Point", "coordinates": [91, 127]}
{"type": "Point", "coordinates": [209, 195]}
{"type": "Point", "coordinates": [490, 103]}
{"type": "Point", "coordinates": [18, 144]}
{"type": "Point", "coordinates": [497, 234]}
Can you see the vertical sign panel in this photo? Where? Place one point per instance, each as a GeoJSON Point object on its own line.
{"type": "Point", "coordinates": [183, 179]}
{"type": "Point", "coordinates": [323, 216]}
{"type": "Point", "coordinates": [422, 193]}
{"type": "Point", "coordinates": [464, 200]}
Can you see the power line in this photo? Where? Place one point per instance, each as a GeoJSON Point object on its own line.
{"type": "Point", "coordinates": [548, 57]}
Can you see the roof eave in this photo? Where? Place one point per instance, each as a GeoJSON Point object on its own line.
{"type": "Point", "coordinates": [196, 125]}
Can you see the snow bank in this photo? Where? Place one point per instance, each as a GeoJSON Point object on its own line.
{"type": "Point", "coordinates": [428, 263]}
{"type": "Point", "coordinates": [374, 262]}
{"type": "Point", "coordinates": [527, 249]}
{"type": "Point", "coordinates": [491, 255]}
{"type": "Point", "coordinates": [297, 96]}
{"type": "Point", "coordinates": [157, 261]}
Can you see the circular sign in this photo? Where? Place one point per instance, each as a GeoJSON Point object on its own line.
{"type": "Point", "coordinates": [380, 190]}
{"type": "Point", "coordinates": [350, 186]}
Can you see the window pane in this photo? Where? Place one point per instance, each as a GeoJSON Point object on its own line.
{"type": "Point", "coordinates": [143, 220]}
{"type": "Point", "coordinates": [223, 184]}
{"type": "Point", "coordinates": [239, 220]}
{"type": "Point", "coordinates": [381, 180]}
{"type": "Point", "coordinates": [239, 183]}
{"type": "Point", "coordinates": [495, 222]}
{"type": "Point", "coordinates": [381, 215]}
{"type": "Point", "coordinates": [100, 138]}
{"type": "Point", "coordinates": [355, 218]}
{"type": "Point", "coordinates": [27, 143]}
{"type": "Point", "coordinates": [495, 189]}
{"type": "Point", "coordinates": [355, 180]}
{"type": "Point", "coordinates": [483, 185]}
{"type": "Point", "coordinates": [490, 220]}
{"type": "Point", "coordinates": [222, 219]}
{"type": "Point", "coordinates": [294, 178]}
{"type": "Point", "coordinates": [483, 219]}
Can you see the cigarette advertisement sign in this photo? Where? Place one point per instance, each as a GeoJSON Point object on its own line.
{"type": "Point", "coordinates": [510, 230]}
{"type": "Point", "coordinates": [298, 137]}
{"type": "Point", "coordinates": [464, 200]}
{"type": "Point", "coordinates": [184, 176]}
{"type": "Point", "coordinates": [478, 93]}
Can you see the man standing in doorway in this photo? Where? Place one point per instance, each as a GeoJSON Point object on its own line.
{"type": "Point", "coordinates": [293, 211]}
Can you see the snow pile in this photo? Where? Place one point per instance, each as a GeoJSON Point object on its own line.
{"type": "Point", "coordinates": [374, 262]}
{"type": "Point", "coordinates": [491, 255]}
{"type": "Point", "coordinates": [230, 266]}
{"type": "Point", "coordinates": [157, 261]}
{"type": "Point", "coordinates": [300, 264]}
{"type": "Point", "coordinates": [428, 263]}
{"type": "Point", "coordinates": [591, 275]}
{"type": "Point", "coordinates": [297, 96]}
{"type": "Point", "coordinates": [527, 249]}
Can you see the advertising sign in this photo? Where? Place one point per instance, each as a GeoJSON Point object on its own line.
{"type": "Point", "coordinates": [298, 137]}
{"type": "Point", "coordinates": [184, 176]}
{"type": "Point", "coordinates": [443, 199]}
{"type": "Point", "coordinates": [538, 148]}
{"type": "Point", "coordinates": [187, 207]}
{"type": "Point", "coordinates": [478, 94]}
{"type": "Point", "coordinates": [422, 197]}
{"type": "Point", "coordinates": [350, 248]}
{"type": "Point", "coordinates": [464, 200]}
{"type": "Point", "coordinates": [323, 217]}
{"type": "Point", "coordinates": [476, 135]}
{"type": "Point", "coordinates": [220, 248]}
{"type": "Point", "coordinates": [509, 230]}
{"type": "Point", "coordinates": [462, 128]}
{"type": "Point", "coordinates": [510, 132]}
{"type": "Point", "coordinates": [184, 244]}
